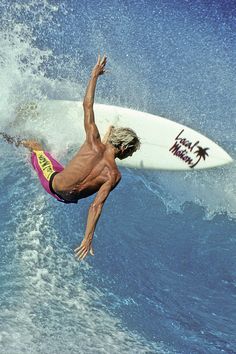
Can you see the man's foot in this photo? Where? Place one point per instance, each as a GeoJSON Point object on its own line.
{"type": "Point", "coordinates": [29, 144]}
{"type": "Point", "coordinates": [32, 145]}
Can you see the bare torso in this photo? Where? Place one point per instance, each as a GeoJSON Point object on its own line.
{"type": "Point", "coordinates": [91, 167]}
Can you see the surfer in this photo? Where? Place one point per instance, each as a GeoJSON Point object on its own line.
{"type": "Point", "coordinates": [92, 170]}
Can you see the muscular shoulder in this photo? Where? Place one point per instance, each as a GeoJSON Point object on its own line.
{"type": "Point", "coordinates": [94, 147]}
{"type": "Point", "coordinates": [113, 172]}
{"type": "Point", "coordinates": [115, 177]}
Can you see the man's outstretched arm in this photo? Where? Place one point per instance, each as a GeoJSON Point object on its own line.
{"type": "Point", "coordinates": [93, 216]}
{"type": "Point", "coordinates": [89, 122]}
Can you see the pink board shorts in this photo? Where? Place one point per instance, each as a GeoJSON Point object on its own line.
{"type": "Point", "coordinates": [47, 167]}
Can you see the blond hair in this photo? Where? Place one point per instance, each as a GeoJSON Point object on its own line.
{"type": "Point", "coordinates": [124, 137]}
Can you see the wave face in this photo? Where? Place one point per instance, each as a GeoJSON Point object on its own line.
{"type": "Point", "coordinates": [163, 276]}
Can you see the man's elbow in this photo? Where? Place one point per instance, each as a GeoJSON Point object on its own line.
{"type": "Point", "coordinates": [87, 103]}
{"type": "Point", "coordinates": [96, 208]}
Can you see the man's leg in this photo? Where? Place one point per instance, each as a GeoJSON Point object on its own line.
{"type": "Point", "coordinates": [29, 144]}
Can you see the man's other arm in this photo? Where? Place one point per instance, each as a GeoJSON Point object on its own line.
{"type": "Point", "coordinates": [94, 213]}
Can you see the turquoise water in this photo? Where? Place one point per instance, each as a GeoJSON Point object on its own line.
{"type": "Point", "coordinates": [163, 276]}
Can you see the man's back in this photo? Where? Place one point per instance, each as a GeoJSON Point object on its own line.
{"type": "Point", "coordinates": [91, 167]}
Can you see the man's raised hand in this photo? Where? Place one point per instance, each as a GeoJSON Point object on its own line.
{"type": "Point", "coordinates": [99, 68]}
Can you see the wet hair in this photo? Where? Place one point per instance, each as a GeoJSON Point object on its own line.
{"type": "Point", "coordinates": [124, 137]}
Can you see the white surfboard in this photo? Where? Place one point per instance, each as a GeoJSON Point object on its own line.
{"type": "Point", "coordinates": [166, 145]}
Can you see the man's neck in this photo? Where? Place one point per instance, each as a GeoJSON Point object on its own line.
{"type": "Point", "coordinates": [112, 150]}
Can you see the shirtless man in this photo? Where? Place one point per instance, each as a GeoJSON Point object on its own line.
{"type": "Point", "coordinates": [93, 168]}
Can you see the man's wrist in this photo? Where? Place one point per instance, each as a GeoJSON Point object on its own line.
{"type": "Point", "coordinates": [94, 75]}
{"type": "Point", "coordinates": [88, 237]}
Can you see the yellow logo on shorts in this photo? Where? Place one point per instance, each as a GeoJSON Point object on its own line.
{"type": "Point", "coordinates": [45, 164]}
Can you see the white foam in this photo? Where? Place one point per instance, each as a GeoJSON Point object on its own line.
{"type": "Point", "coordinates": [56, 300]}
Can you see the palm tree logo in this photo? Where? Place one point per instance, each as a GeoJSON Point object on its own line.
{"type": "Point", "coordinates": [201, 154]}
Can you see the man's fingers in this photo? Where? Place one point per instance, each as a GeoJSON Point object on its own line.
{"type": "Point", "coordinates": [91, 251]}
{"type": "Point", "coordinates": [83, 254]}
{"type": "Point", "coordinates": [104, 60]}
{"type": "Point", "coordinates": [101, 61]}
{"type": "Point", "coordinates": [78, 248]}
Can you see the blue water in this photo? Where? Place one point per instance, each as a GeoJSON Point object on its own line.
{"type": "Point", "coordinates": [163, 277]}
